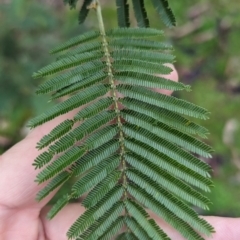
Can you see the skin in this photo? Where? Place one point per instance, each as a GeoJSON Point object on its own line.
{"type": "Point", "coordinates": [22, 218]}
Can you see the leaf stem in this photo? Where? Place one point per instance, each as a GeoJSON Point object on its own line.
{"type": "Point", "coordinates": [96, 5]}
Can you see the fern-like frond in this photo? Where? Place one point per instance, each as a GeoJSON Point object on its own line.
{"type": "Point", "coordinates": [74, 102]}
{"type": "Point", "coordinates": [128, 147]}
{"type": "Point", "coordinates": [165, 12]}
{"type": "Point", "coordinates": [67, 62]}
{"type": "Point", "coordinates": [149, 139]}
{"type": "Point", "coordinates": [42, 159]}
{"type": "Point", "coordinates": [99, 227]}
{"type": "Point", "coordinates": [95, 176]}
{"type": "Point", "coordinates": [168, 133]}
{"type": "Point", "coordinates": [138, 231]}
{"type": "Point", "coordinates": [60, 204]}
{"type": "Point", "coordinates": [140, 44]}
{"type": "Point", "coordinates": [146, 80]}
{"type": "Point", "coordinates": [100, 137]}
{"type": "Point", "coordinates": [93, 109]}
{"type": "Point", "coordinates": [93, 123]}
{"type": "Point", "coordinates": [175, 185]}
{"type": "Point", "coordinates": [141, 151]}
{"type": "Point", "coordinates": [133, 33]}
{"type": "Point", "coordinates": [165, 116]}
{"type": "Point", "coordinates": [183, 227]}
{"type": "Point", "coordinates": [140, 216]}
{"type": "Point", "coordinates": [64, 80]}
{"type": "Point", "coordinates": [143, 55]}
{"type": "Point", "coordinates": [131, 65]}
{"type": "Point", "coordinates": [98, 192]}
{"type": "Point", "coordinates": [94, 157]}
{"type": "Point", "coordinates": [77, 134]}
{"type": "Point", "coordinates": [92, 214]}
{"type": "Point", "coordinates": [167, 102]}
{"type": "Point", "coordinates": [76, 41]}
{"type": "Point", "coordinates": [62, 144]}
{"type": "Point", "coordinates": [154, 192]}
{"type": "Point", "coordinates": [123, 13]}
{"type": "Point", "coordinates": [56, 133]}
{"type": "Point", "coordinates": [140, 13]}
{"type": "Point", "coordinates": [60, 164]}
{"type": "Point", "coordinates": [53, 184]}
{"type": "Point", "coordinates": [113, 229]}
{"type": "Point", "coordinates": [84, 84]}
{"type": "Point", "coordinates": [87, 47]}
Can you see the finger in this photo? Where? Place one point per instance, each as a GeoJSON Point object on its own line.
{"type": "Point", "coordinates": [17, 174]}
{"type": "Point", "coordinates": [225, 228]}
{"type": "Point", "coordinates": [57, 227]}
{"type": "Point", "coordinates": [172, 76]}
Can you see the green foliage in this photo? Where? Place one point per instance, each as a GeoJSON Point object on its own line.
{"type": "Point", "coordinates": [207, 59]}
{"type": "Point", "coordinates": [165, 12]}
{"type": "Point", "coordinates": [140, 13]}
{"type": "Point", "coordinates": [84, 11]}
{"type": "Point", "coordinates": [162, 7]}
{"type": "Point", "coordinates": [72, 3]}
{"type": "Point", "coordinates": [123, 13]}
{"type": "Point", "coordinates": [52, 185]}
{"type": "Point", "coordinates": [60, 204]}
{"type": "Point", "coordinates": [128, 145]}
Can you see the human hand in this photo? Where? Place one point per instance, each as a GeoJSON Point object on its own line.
{"type": "Point", "coordinates": [23, 218]}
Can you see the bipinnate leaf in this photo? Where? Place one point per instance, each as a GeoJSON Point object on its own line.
{"type": "Point", "coordinates": [125, 148]}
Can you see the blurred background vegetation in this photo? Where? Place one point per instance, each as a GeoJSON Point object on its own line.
{"type": "Point", "coordinates": [207, 46]}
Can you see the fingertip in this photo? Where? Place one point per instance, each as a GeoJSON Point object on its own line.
{"type": "Point", "coordinates": [173, 76]}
